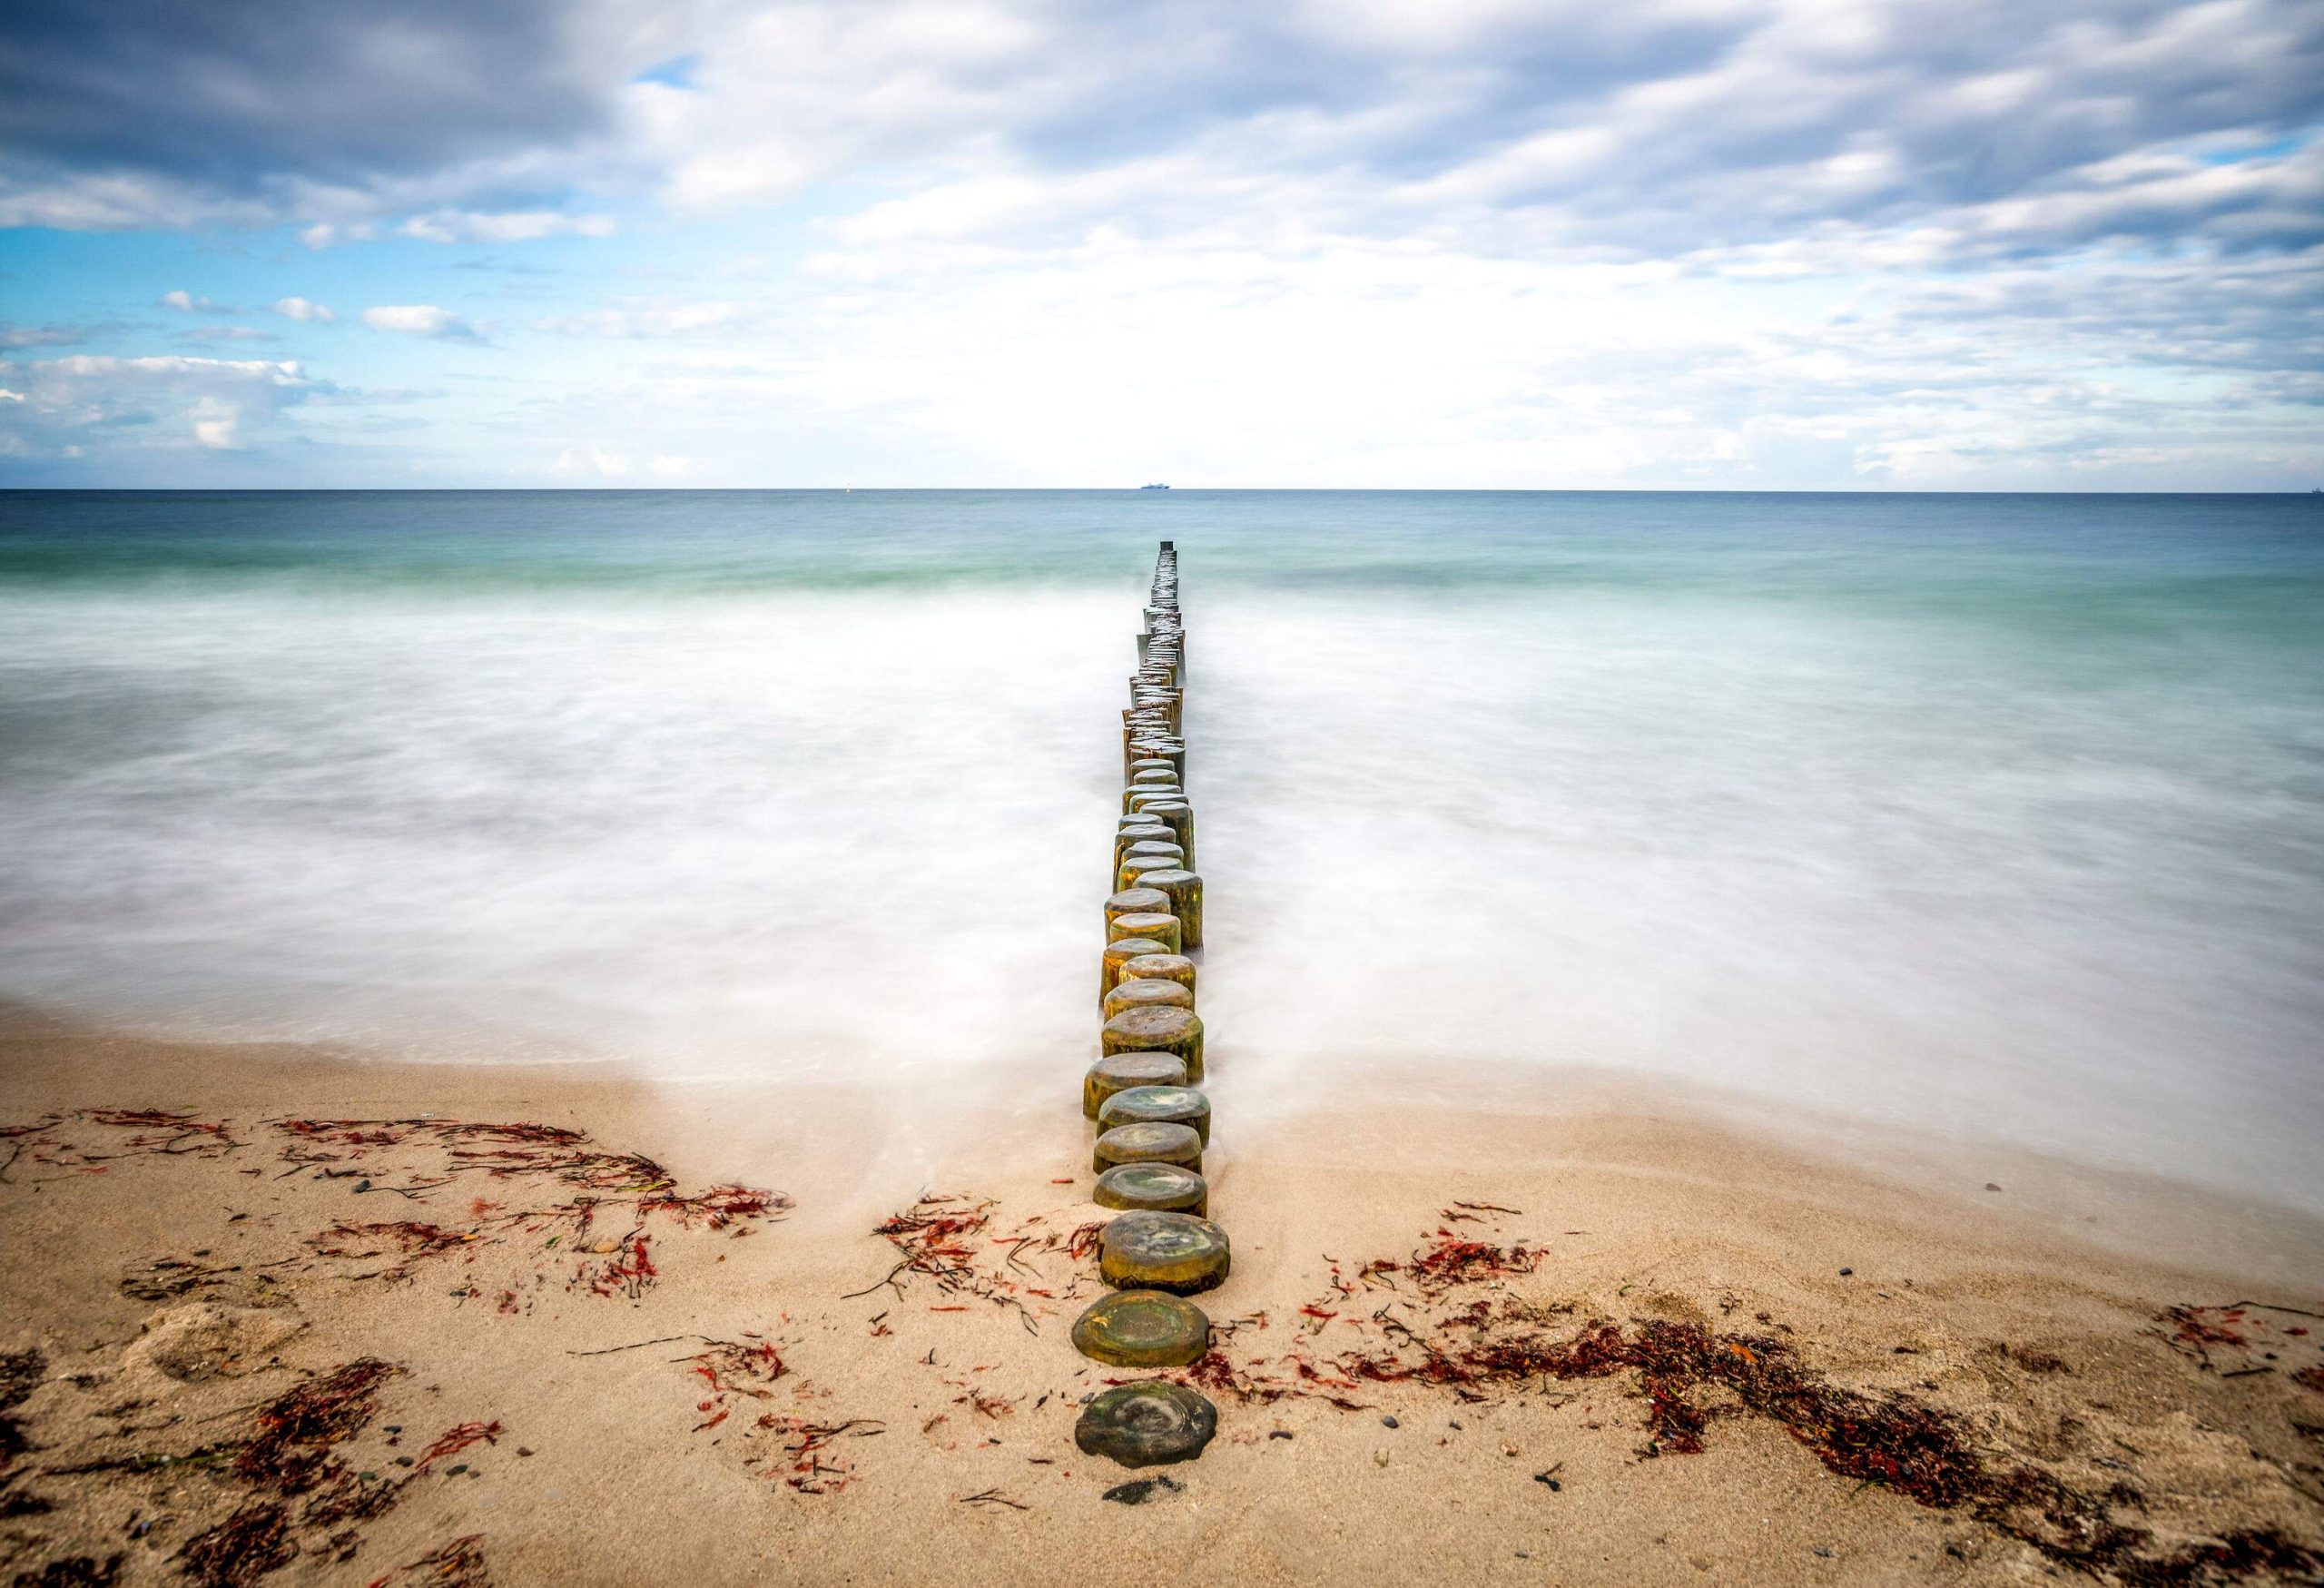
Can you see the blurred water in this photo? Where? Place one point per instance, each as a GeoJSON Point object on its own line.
{"type": "Point", "coordinates": [2000, 814]}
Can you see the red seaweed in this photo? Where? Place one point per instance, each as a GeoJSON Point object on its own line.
{"type": "Point", "coordinates": [456, 1565]}
{"type": "Point", "coordinates": [1689, 1376]}
{"type": "Point", "coordinates": [239, 1551]}
{"type": "Point", "coordinates": [602, 1183]}
{"type": "Point", "coordinates": [297, 1429]}
{"type": "Point", "coordinates": [454, 1440]}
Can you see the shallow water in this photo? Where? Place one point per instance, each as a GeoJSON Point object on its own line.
{"type": "Point", "coordinates": [2002, 815]}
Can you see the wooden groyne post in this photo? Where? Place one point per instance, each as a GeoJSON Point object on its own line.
{"type": "Point", "coordinates": [1143, 1095]}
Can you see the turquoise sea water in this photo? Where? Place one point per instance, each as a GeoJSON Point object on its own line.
{"type": "Point", "coordinates": [2000, 814]}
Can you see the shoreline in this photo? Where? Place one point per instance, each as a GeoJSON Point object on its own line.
{"type": "Point", "coordinates": [1637, 1217]}
{"type": "Point", "coordinates": [930, 1123]}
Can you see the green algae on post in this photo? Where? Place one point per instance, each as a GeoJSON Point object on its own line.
{"type": "Point", "coordinates": [1184, 890]}
{"type": "Point", "coordinates": [1147, 1141]}
{"type": "Point", "coordinates": [1120, 1071]}
{"type": "Point", "coordinates": [1136, 901]}
{"type": "Point", "coordinates": [1172, 1030]}
{"type": "Point", "coordinates": [1155, 1187]}
{"type": "Point", "coordinates": [1163, 929]}
{"type": "Point", "coordinates": [1142, 1328]}
{"type": "Point", "coordinates": [1119, 952]}
{"type": "Point", "coordinates": [1137, 993]}
{"type": "Point", "coordinates": [1164, 967]}
{"type": "Point", "coordinates": [1174, 1105]}
{"type": "Point", "coordinates": [1163, 1251]}
{"type": "Point", "coordinates": [1135, 868]}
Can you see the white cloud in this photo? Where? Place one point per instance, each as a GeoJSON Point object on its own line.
{"type": "Point", "coordinates": [186, 302]}
{"type": "Point", "coordinates": [155, 403]}
{"type": "Point", "coordinates": [421, 319]}
{"type": "Point", "coordinates": [1484, 240]}
{"type": "Point", "coordinates": [513, 226]}
{"type": "Point", "coordinates": [214, 422]}
{"type": "Point", "coordinates": [304, 308]}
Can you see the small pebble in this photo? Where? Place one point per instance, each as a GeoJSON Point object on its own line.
{"type": "Point", "coordinates": [457, 1471]}
{"type": "Point", "coordinates": [524, 1450]}
{"type": "Point", "coordinates": [1825, 1553]}
{"type": "Point", "coordinates": [1846, 1272]}
{"type": "Point", "coordinates": [1390, 1423]}
{"type": "Point", "coordinates": [1278, 1433]}
{"type": "Point", "coordinates": [1379, 1458]}
{"type": "Point", "coordinates": [403, 1461]}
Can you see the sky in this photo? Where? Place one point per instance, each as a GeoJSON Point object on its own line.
{"type": "Point", "coordinates": [1826, 244]}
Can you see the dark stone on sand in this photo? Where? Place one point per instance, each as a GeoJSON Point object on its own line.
{"type": "Point", "coordinates": [1151, 1422]}
{"type": "Point", "coordinates": [1138, 1491]}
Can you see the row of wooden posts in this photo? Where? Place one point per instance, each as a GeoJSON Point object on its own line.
{"type": "Point", "coordinates": [1145, 1091]}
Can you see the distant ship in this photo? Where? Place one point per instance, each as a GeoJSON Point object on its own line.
{"type": "Point", "coordinates": [1154, 487]}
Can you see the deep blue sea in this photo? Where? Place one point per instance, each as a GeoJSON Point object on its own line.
{"type": "Point", "coordinates": [2000, 816]}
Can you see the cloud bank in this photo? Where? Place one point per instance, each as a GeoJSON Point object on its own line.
{"type": "Point", "coordinates": [1745, 241]}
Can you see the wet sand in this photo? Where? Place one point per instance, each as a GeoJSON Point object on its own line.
{"type": "Point", "coordinates": [754, 1392]}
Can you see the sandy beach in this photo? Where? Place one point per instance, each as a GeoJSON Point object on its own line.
{"type": "Point", "coordinates": [340, 1310]}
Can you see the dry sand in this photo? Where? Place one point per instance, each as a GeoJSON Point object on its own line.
{"type": "Point", "coordinates": [175, 1283]}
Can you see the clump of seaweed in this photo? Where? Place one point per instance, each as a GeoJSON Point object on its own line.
{"type": "Point", "coordinates": [74, 1572]}
{"type": "Point", "coordinates": [407, 1238]}
{"type": "Point", "coordinates": [2231, 1338]}
{"type": "Point", "coordinates": [157, 1133]}
{"type": "Point", "coordinates": [454, 1440]}
{"type": "Point", "coordinates": [239, 1551]}
{"type": "Point", "coordinates": [1689, 1376]}
{"type": "Point", "coordinates": [168, 1132]}
{"type": "Point", "coordinates": [1446, 1260]}
{"type": "Point", "coordinates": [943, 1238]}
{"type": "Point", "coordinates": [730, 1367]}
{"type": "Point", "coordinates": [749, 1368]}
{"type": "Point", "coordinates": [499, 1150]}
{"type": "Point", "coordinates": [21, 1372]}
{"type": "Point", "coordinates": [933, 1235]}
{"type": "Point", "coordinates": [292, 1452]}
{"type": "Point", "coordinates": [297, 1493]}
{"type": "Point", "coordinates": [456, 1565]}
{"type": "Point", "coordinates": [377, 1155]}
{"type": "Point", "coordinates": [810, 1463]}
{"type": "Point", "coordinates": [167, 1278]}
{"type": "Point", "coordinates": [624, 1268]}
